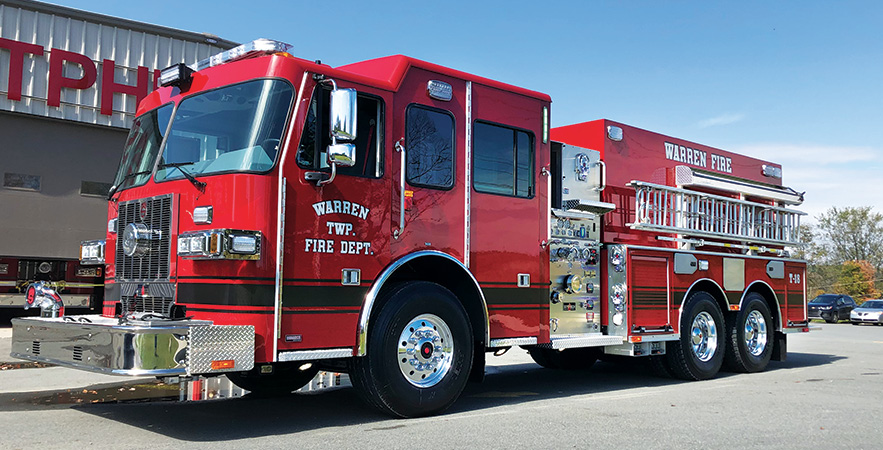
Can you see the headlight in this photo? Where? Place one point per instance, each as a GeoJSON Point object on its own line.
{"type": "Point", "coordinates": [220, 244]}
{"type": "Point", "coordinates": [92, 252]}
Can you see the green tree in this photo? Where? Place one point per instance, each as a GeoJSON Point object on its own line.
{"type": "Point", "coordinates": [849, 234]}
{"type": "Point", "coordinates": [857, 280]}
{"type": "Point", "coordinates": [841, 235]}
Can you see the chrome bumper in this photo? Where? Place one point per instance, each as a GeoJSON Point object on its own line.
{"type": "Point", "coordinates": [152, 348]}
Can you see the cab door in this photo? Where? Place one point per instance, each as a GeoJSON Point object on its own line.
{"type": "Point", "coordinates": [428, 167]}
{"type": "Point", "coordinates": [336, 239]}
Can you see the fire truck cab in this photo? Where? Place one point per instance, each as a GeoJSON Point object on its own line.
{"type": "Point", "coordinates": [396, 220]}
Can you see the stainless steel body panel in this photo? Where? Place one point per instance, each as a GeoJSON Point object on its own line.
{"type": "Point", "coordinates": [153, 348]}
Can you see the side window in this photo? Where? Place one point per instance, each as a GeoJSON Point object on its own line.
{"type": "Point", "coordinates": [316, 137]}
{"type": "Point", "coordinates": [504, 160]}
{"type": "Point", "coordinates": [429, 142]}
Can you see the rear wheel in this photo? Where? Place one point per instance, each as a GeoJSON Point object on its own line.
{"type": "Point", "coordinates": [750, 336]}
{"type": "Point", "coordinates": [567, 359]}
{"type": "Point", "coordinates": [283, 380]}
{"type": "Point", "coordinates": [420, 350]}
{"type": "Point", "coordinates": [699, 353]}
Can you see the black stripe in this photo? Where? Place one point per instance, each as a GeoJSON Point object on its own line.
{"type": "Point", "coordinates": [226, 294]}
{"type": "Point", "coordinates": [227, 278]}
{"type": "Point", "coordinates": [516, 308]}
{"type": "Point", "coordinates": [231, 311]}
{"type": "Point", "coordinates": [319, 296]}
{"type": "Point", "coordinates": [264, 294]}
{"type": "Point", "coordinates": [342, 311]}
{"type": "Point", "coordinates": [516, 295]}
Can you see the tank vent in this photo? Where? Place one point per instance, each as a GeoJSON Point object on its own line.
{"type": "Point", "coordinates": [35, 347]}
{"type": "Point", "coordinates": [78, 353]}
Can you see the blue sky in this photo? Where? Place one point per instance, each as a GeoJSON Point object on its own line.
{"type": "Point", "coordinates": [794, 82]}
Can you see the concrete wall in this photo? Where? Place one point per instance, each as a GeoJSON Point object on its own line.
{"type": "Point", "coordinates": [52, 222]}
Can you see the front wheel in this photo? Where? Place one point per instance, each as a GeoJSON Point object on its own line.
{"type": "Point", "coordinates": [699, 352]}
{"type": "Point", "coordinates": [750, 336]}
{"type": "Point", "coordinates": [419, 352]}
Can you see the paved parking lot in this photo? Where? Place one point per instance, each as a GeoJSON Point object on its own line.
{"type": "Point", "coordinates": [827, 395]}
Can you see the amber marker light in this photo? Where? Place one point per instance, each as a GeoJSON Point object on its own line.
{"type": "Point", "coordinates": [223, 364]}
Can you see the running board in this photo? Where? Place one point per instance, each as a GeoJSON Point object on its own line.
{"type": "Point", "coordinates": [585, 340]}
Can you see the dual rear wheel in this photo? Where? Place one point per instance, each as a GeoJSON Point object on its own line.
{"type": "Point", "coordinates": [708, 342]}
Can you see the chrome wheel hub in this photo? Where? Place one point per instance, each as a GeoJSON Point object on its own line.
{"type": "Point", "coordinates": [426, 349]}
{"type": "Point", "coordinates": [703, 336]}
{"type": "Point", "coordinates": [755, 333]}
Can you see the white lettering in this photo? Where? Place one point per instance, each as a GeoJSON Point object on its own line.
{"type": "Point", "coordinates": [341, 207]}
{"type": "Point", "coordinates": [355, 248]}
{"type": "Point", "coordinates": [319, 245]}
{"type": "Point", "coordinates": [669, 150]}
{"type": "Point", "coordinates": [340, 228]}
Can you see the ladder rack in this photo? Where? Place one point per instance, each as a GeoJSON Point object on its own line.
{"type": "Point", "coordinates": [673, 210]}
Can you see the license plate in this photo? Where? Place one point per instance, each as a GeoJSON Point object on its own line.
{"type": "Point", "coordinates": [88, 272]}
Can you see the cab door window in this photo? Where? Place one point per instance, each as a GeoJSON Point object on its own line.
{"type": "Point", "coordinates": [316, 137]}
{"type": "Point", "coordinates": [429, 135]}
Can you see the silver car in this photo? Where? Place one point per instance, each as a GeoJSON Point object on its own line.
{"type": "Point", "coordinates": [870, 311]}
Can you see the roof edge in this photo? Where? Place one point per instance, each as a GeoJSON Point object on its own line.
{"type": "Point", "coordinates": [48, 8]}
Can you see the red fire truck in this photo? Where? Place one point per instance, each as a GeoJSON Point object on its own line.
{"type": "Point", "coordinates": [397, 220]}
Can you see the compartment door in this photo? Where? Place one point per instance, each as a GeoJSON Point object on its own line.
{"type": "Point", "coordinates": [649, 292]}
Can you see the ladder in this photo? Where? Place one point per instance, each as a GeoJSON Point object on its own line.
{"type": "Point", "coordinates": [674, 210]}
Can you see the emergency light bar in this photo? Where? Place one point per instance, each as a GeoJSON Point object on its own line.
{"type": "Point", "coordinates": [180, 73]}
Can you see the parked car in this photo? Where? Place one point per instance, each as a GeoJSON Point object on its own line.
{"type": "Point", "coordinates": [831, 307]}
{"type": "Point", "coordinates": [870, 311]}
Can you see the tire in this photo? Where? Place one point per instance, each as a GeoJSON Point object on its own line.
{"type": "Point", "coordinates": [283, 380]}
{"type": "Point", "coordinates": [749, 336]}
{"type": "Point", "coordinates": [420, 350]}
{"type": "Point", "coordinates": [699, 353]}
{"type": "Point", "coordinates": [567, 359]}
{"type": "Point", "coordinates": [832, 319]}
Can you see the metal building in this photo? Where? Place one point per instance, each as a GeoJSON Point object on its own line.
{"type": "Point", "coordinates": [70, 81]}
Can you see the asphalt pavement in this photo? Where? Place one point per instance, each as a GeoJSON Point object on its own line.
{"type": "Point", "coordinates": [826, 395]}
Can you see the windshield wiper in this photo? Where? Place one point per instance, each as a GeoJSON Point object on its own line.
{"type": "Point", "coordinates": [113, 189]}
{"type": "Point", "coordinates": [199, 184]}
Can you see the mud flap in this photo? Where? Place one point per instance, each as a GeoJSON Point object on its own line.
{"type": "Point", "coordinates": [780, 346]}
{"type": "Point", "coordinates": [478, 363]}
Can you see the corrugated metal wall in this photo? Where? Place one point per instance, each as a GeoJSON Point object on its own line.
{"type": "Point", "coordinates": [127, 47]}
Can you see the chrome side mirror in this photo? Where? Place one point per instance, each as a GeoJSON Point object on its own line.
{"type": "Point", "coordinates": [342, 155]}
{"type": "Point", "coordinates": [343, 114]}
{"type": "Point", "coordinates": [343, 128]}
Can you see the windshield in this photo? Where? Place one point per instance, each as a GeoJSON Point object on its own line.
{"type": "Point", "coordinates": [142, 146]}
{"type": "Point", "coordinates": [825, 299]}
{"type": "Point", "coordinates": [873, 304]}
{"type": "Point", "coordinates": [232, 129]}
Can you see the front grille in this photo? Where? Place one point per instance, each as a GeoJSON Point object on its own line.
{"type": "Point", "coordinates": [157, 215]}
{"type": "Point", "coordinates": [147, 304]}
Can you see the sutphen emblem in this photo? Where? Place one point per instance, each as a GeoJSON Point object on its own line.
{"type": "Point", "coordinates": [143, 211]}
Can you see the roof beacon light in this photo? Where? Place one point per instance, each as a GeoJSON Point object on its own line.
{"type": "Point", "coordinates": [253, 48]}
{"type": "Point", "coordinates": [179, 74]}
